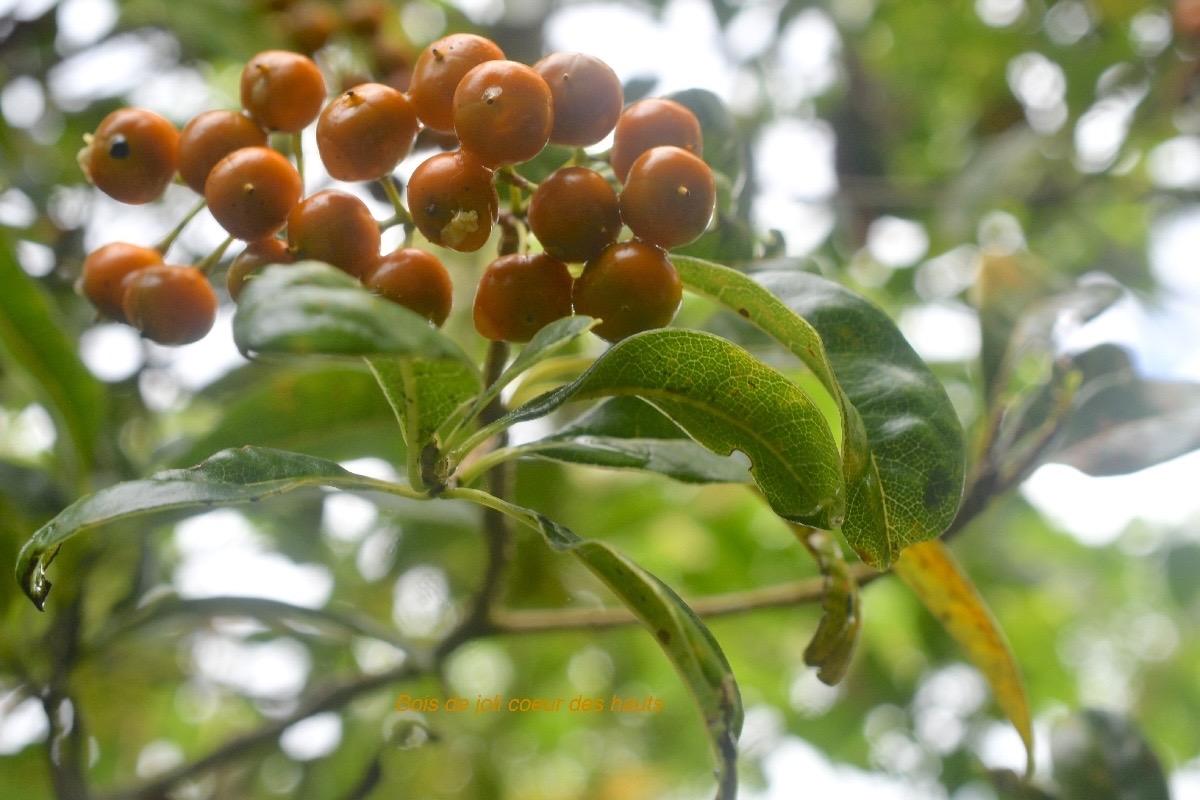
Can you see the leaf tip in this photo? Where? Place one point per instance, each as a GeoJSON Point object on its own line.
{"type": "Point", "coordinates": [31, 574]}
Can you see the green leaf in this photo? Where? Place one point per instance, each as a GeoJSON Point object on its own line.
{"type": "Point", "coordinates": [35, 339]}
{"type": "Point", "coordinates": [424, 394]}
{"type": "Point", "coordinates": [1101, 755]}
{"type": "Point", "coordinates": [915, 436]}
{"type": "Point", "coordinates": [330, 409]}
{"type": "Point", "coordinates": [902, 445]}
{"type": "Point", "coordinates": [939, 582]}
{"type": "Point", "coordinates": [727, 401]}
{"type": "Point", "coordinates": [685, 639]}
{"type": "Point", "coordinates": [629, 433]}
{"type": "Point", "coordinates": [232, 476]}
{"type": "Point", "coordinates": [312, 307]}
{"type": "Point", "coordinates": [1122, 423]}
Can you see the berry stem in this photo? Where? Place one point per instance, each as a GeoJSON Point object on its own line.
{"type": "Point", "coordinates": [165, 243]}
{"type": "Point", "coordinates": [213, 258]}
{"type": "Point", "coordinates": [514, 178]}
{"type": "Point", "coordinates": [402, 216]}
{"type": "Point", "coordinates": [298, 151]}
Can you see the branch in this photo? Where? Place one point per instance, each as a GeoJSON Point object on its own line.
{"type": "Point", "coordinates": [718, 605]}
{"type": "Point", "coordinates": [496, 527]}
{"type": "Point", "coordinates": [265, 735]}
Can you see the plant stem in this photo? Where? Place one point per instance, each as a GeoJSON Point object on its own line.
{"type": "Point", "coordinates": [212, 259]}
{"type": "Point", "coordinates": [297, 141]}
{"type": "Point", "coordinates": [811, 590]}
{"type": "Point", "coordinates": [393, 194]}
{"type": "Point", "coordinates": [514, 178]}
{"type": "Point", "coordinates": [165, 243]}
{"type": "Point", "coordinates": [493, 458]}
{"type": "Point", "coordinates": [496, 529]}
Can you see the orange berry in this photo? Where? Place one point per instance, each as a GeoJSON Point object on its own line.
{"type": "Point", "coordinates": [631, 287]}
{"type": "Point", "coordinates": [588, 97]}
{"type": "Point", "coordinates": [105, 271]}
{"type": "Point", "coordinates": [170, 304]}
{"type": "Point", "coordinates": [438, 70]}
{"type": "Point", "coordinates": [669, 197]}
{"type": "Point", "coordinates": [132, 156]}
{"type": "Point", "coordinates": [518, 295]}
{"type": "Point", "coordinates": [251, 192]}
{"type": "Point", "coordinates": [503, 112]}
{"type": "Point", "coordinates": [574, 213]}
{"type": "Point", "coordinates": [650, 123]}
{"type": "Point", "coordinates": [365, 132]}
{"type": "Point", "coordinates": [336, 228]}
{"type": "Point", "coordinates": [416, 280]}
{"type": "Point", "coordinates": [283, 91]}
{"type": "Point", "coordinates": [310, 25]}
{"type": "Point", "coordinates": [211, 136]}
{"type": "Point", "coordinates": [453, 201]}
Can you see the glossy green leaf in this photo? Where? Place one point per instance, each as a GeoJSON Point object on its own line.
{"type": "Point", "coordinates": [685, 639]}
{"type": "Point", "coordinates": [727, 401]}
{"type": "Point", "coordinates": [939, 582]}
{"type": "Point", "coordinates": [902, 443]}
{"type": "Point", "coordinates": [232, 476]}
{"type": "Point", "coordinates": [330, 409]}
{"type": "Point", "coordinates": [916, 440]}
{"type": "Point", "coordinates": [629, 433]}
{"type": "Point", "coordinates": [312, 307]}
{"type": "Point", "coordinates": [36, 341]}
{"type": "Point", "coordinates": [1101, 755]}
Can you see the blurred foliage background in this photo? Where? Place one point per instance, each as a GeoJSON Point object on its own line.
{"type": "Point", "coordinates": [962, 164]}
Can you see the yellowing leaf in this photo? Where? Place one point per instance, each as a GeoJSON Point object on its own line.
{"type": "Point", "coordinates": [931, 572]}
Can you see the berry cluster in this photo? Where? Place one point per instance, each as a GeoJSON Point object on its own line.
{"type": "Point", "coordinates": [502, 113]}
